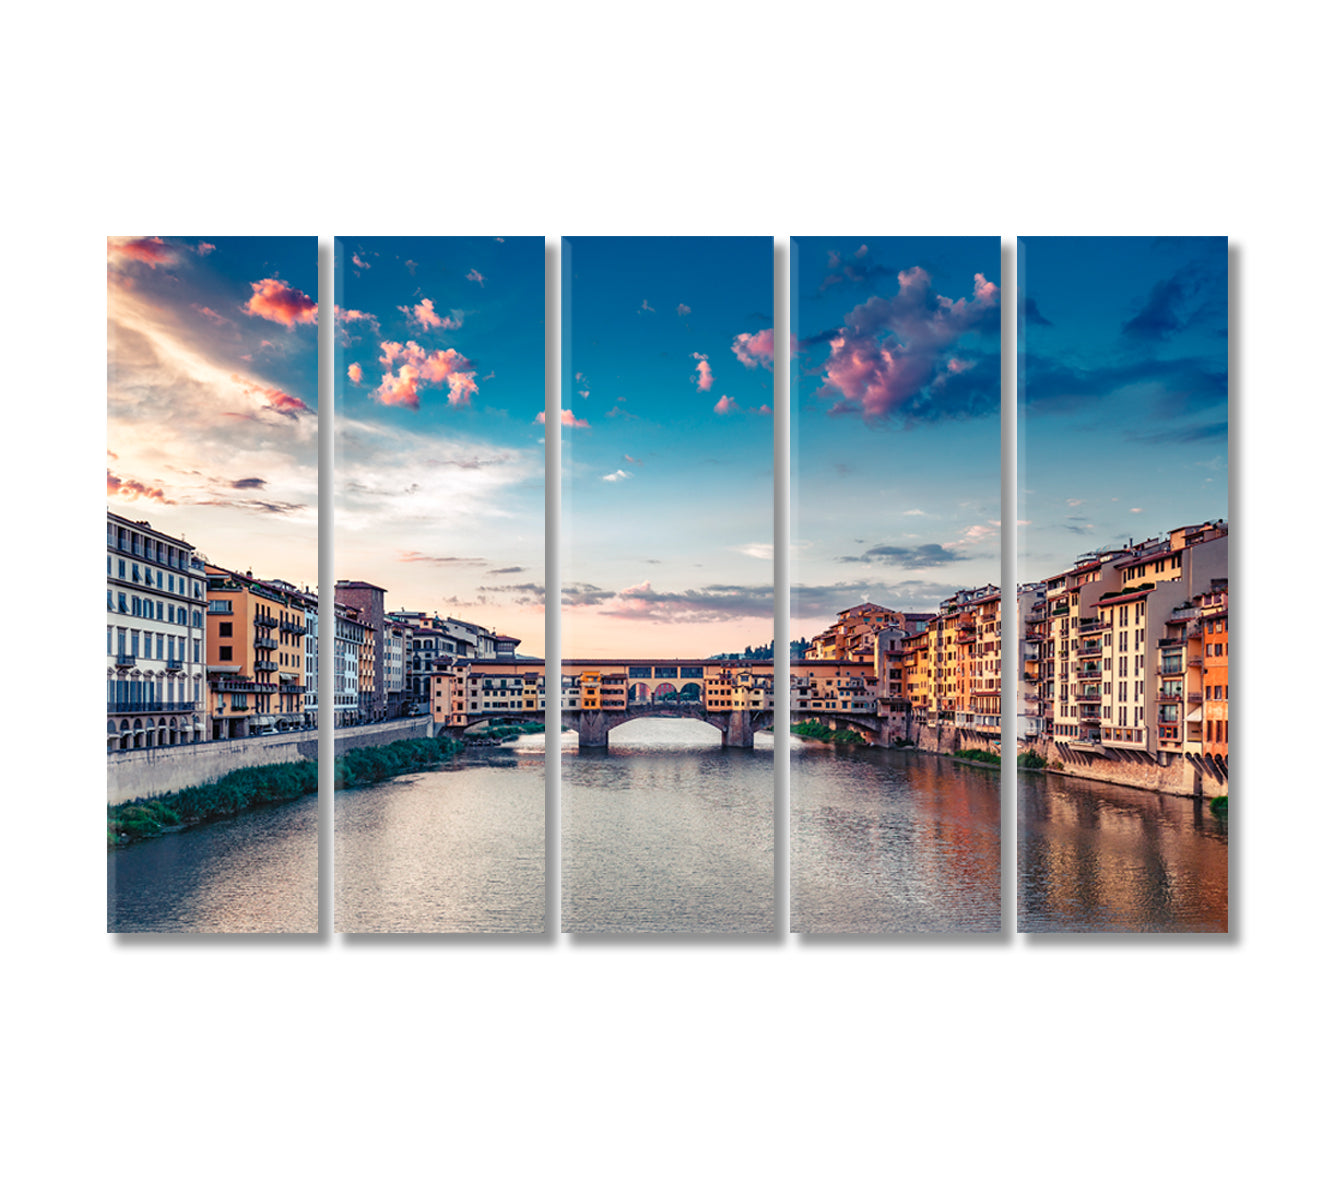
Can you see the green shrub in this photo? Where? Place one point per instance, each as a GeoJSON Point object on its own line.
{"type": "Point", "coordinates": [1032, 759]}
{"type": "Point", "coordinates": [276, 783]}
{"type": "Point", "coordinates": [981, 756]}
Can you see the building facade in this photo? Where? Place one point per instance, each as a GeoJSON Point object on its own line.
{"type": "Point", "coordinates": [256, 650]}
{"type": "Point", "coordinates": [155, 638]}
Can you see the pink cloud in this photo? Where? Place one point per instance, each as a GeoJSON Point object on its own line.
{"type": "Point", "coordinates": [217, 318]}
{"type": "Point", "coordinates": [476, 277]}
{"type": "Point", "coordinates": [705, 381]}
{"type": "Point", "coordinates": [354, 372]}
{"type": "Point", "coordinates": [344, 317]}
{"type": "Point", "coordinates": [275, 301]}
{"type": "Point", "coordinates": [424, 314]}
{"type": "Point", "coordinates": [755, 349]}
{"type": "Point", "coordinates": [275, 399]}
{"type": "Point", "coordinates": [403, 389]}
{"type": "Point", "coordinates": [567, 418]}
{"type": "Point", "coordinates": [204, 249]}
{"type": "Point", "coordinates": [683, 310]}
{"type": "Point", "coordinates": [152, 251]}
{"type": "Point", "coordinates": [892, 354]}
{"type": "Point", "coordinates": [360, 262]}
{"type": "Point", "coordinates": [131, 489]}
{"type": "Point", "coordinates": [726, 405]}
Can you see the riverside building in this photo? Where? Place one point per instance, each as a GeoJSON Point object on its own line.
{"type": "Point", "coordinates": [256, 652]}
{"type": "Point", "coordinates": [155, 636]}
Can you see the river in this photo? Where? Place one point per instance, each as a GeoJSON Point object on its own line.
{"type": "Point", "coordinates": [666, 832]}
{"type": "Point", "coordinates": [459, 849]}
{"type": "Point", "coordinates": [888, 841]}
{"type": "Point", "coordinates": [1094, 857]}
{"type": "Point", "coordinates": [255, 873]}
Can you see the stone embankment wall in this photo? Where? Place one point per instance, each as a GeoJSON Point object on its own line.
{"type": "Point", "coordinates": [142, 774]}
{"type": "Point", "coordinates": [1179, 777]}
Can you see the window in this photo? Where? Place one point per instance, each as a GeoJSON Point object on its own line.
{"type": "Point", "coordinates": [224, 629]}
{"type": "Point", "coordinates": [224, 654]}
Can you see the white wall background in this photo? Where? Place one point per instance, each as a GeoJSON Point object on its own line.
{"type": "Point", "coordinates": [1102, 1068]}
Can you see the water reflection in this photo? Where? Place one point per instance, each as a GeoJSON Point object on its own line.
{"type": "Point", "coordinates": [665, 832]}
{"type": "Point", "coordinates": [890, 842]}
{"type": "Point", "coordinates": [1094, 857]}
{"type": "Point", "coordinates": [256, 873]}
{"type": "Point", "coordinates": [460, 849]}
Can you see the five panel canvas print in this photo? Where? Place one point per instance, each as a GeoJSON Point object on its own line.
{"type": "Point", "coordinates": [436, 626]}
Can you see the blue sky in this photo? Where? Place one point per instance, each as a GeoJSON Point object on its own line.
{"type": "Point", "coordinates": [440, 394]}
{"type": "Point", "coordinates": [1122, 391]}
{"type": "Point", "coordinates": [211, 395]}
{"type": "Point", "coordinates": [895, 422]}
{"type": "Point", "coordinates": [667, 445]}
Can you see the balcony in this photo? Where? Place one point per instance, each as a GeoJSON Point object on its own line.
{"type": "Point", "coordinates": [265, 664]}
{"type": "Point", "coordinates": [1090, 649]}
{"type": "Point", "coordinates": [150, 706]}
{"type": "Point", "coordinates": [1170, 697]}
{"type": "Point", "coordinates": [292, 688]}
{"type": "Point", "coordinates": [1194, 697]}
{"type": "Point", "coordinates": [292, 626]}
{"type": "Point", "coordinates": [1195, 660]}
{"type": "Point", "coordinates": [175, 664]}
{"type": "Point", "coordinates": [266, 622]}
{"type": "Point", "coordinates": [266, 643]}
{"type": "Point", "coordinates": [1165, 643]}
{"type": "Point", "coordinates": [1089, 672]}
{"type": "Point", "coordinates": [125, 661]}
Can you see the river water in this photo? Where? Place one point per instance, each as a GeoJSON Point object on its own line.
{"type": "Point", "coordinates": [667, 832]}
{"type": "Point", "coordinates": [256, 873]}
{"type": "Point", "coordinates": [1094, 857]}
{"type": "Point", "coordinates": [887, 841]}
{"type": "Point", "coordinates": [459, 849]}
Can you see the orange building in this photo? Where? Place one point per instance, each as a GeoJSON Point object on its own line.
{"type": "Point", "coordinates": [1214, 639]}
{"type": "Point", "coordinates": [255, 650]}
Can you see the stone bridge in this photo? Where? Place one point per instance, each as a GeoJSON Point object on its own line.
{"type": "Point", "coordinates": [738, 726]}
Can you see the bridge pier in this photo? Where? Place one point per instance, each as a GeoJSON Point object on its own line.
{"type": "Point", "coordinates": [593, 730]}
{"type": "Point", "coordinates": [739, 732]}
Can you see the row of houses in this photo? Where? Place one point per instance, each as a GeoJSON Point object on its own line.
{"type": "Point", "coordinates": [1123, 654]}
{"type": "Point", "coordinates": [198, 652]}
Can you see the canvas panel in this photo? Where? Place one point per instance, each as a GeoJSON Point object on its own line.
{"type": "Point", "coordinates": [1123, 597]}
{"type": "Point", "coordinates": [440, 696]}
{"type": "Point", "coordinates": [666, 427]}
{"type": "Point", "coordinates": [896, 624]}
{"type": "Point", "coordinates": [212, 566]}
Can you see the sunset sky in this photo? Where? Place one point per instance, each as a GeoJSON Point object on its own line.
{"type": "Point", "coordinates": [211, 396]}
{"type": "Point", "coordinates": [440, 398]}
{"type": "Point", "coordinates": [896, 475]}
{"type": "Point", "coordinates": [1123, 415]}
{"type": "Point", "coordinates": [667, 445]}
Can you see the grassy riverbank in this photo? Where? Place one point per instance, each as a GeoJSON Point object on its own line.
{"type": "Point", "coordinates": [505, 731]}
{"type": "Point", "coordinates": [822, 733]}
{"type": "Point", "coordinates": [274, 784]}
